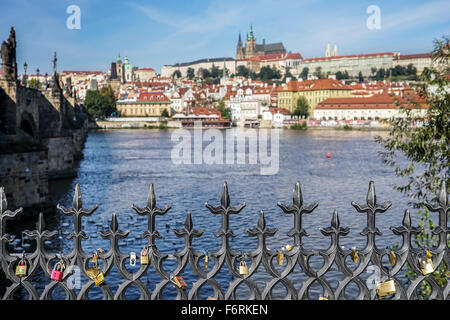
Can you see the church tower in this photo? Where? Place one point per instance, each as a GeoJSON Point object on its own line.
{"type": "Point", "coordinates": [119, 69]}
{"type": "Point", "coordinates": [328, 51]}
{"type": "Point", "coordinates": [240, 49]}
{"type": "Point", "coordinates": [335, 51]}
{"type": "Point", "coordinates": [250, 44]}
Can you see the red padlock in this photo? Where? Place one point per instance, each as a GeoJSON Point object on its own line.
{"type": "Point", "coordinates": [57, 272]}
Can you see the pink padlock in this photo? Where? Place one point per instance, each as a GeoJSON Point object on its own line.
{"type": "Point", "coordinates": [57, 271]}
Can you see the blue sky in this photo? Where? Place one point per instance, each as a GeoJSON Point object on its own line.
{"type": "Point", "coordinates": [154, 33]}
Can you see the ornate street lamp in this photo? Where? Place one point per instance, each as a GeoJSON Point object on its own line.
{"type": "Point", "coordinates": [25, 66]}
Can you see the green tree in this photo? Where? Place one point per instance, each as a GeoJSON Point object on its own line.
{"type": "Point", "coordinates": [318, 73]}
{"type": "Point", "coordinates": [288, 74]}
{"type": "Point", "coordinates": [242, 71]}
{"type": "Point", "coordinates": [206, 73]}
{"type": "Point", "coordinates": [100, 103]}
{"type": "Point", "coordinates": [176, 74]}
{"type": "Point", "coordinates": [304, 73]}
{"type": "Point", "coordinates": [302, 108]}
{"type": "Point", "coordinates": [190, 73]}
{"type": "Point", "coordinates": [427, 146]}
{"type": "Point", "coordinates": [360, 77]}
{"type": "Point", "coordinates": [165, 113]}
{"type": "Point", "coordinates": [33, 83]}
{"type": "Point", "coordinates": [226, 112]}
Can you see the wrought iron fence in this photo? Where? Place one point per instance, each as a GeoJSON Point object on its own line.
{"type": "Point", "coordinates": [20, 268]}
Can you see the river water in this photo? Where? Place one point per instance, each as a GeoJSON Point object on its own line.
{"type": "Point", "coordinates": [119, 165]}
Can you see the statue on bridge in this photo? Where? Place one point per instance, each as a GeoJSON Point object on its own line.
{"type": "Point", "coordinates": [8, 53]}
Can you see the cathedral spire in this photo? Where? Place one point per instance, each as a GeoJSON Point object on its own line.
{"type": "Point", "coordinates": [251, 36]}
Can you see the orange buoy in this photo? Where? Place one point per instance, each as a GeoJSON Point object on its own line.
{"type": "Point", "coordinates": [328, 155]}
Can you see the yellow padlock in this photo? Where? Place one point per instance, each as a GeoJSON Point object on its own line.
{"type": "Point", "coordinates": [96, 274]}
{"type": "Point", "coordinates": [21, 269]}
{"type": "Point", "coordinates": [392, 257]}
{"type": "Point", "coordinates": [323, 298]}
{"type": "Point", "coordinates": [144, 256]}
{"type": "Point", "coordinates": [179, 281]}
{"type": "Point", "coordinates": [386, 288]}
{"type": "Point", "coordinates": [426, 265]}
{"type": "Point", "coordinates": [206, 262]}
{"type": "Point", "coordinates": [243, 269]}
{"type": "Point", "coordinates": [354, 255]}
{"type": "Point", "coordinates": [280, 257]}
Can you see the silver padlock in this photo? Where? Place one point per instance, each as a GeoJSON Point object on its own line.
{"type": "Point", "coordinates": [132, 258]}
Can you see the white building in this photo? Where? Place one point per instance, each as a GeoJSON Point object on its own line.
{"type": "Point", "coordinates": [382, 106]}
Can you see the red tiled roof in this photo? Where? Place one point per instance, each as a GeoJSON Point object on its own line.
{"type": "Point", "coordinates": [380, 101]}
{"type": "Point", "coordinates": [294, 56]}
{"type": "Point", "coordinates": [279, 110]}
{"type": "Point", "coordinates": [412, 56]}
{"type": "Point", "coordinates": [145, 69]}
{"type": "Point", "coordinates": [153, 97]}
{"type": "Point", "coordinates": [82, 72]}
{"type": "Point", "coordinates": [319, 84]}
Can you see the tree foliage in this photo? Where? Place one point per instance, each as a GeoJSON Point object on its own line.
{"type": "Point", "coordinates": [304, 73]}
{"type": "Point", "coordinates": [33, 83]}
{"type": "Point", "coordinates": [176, 74]}
{"type": "Point", "coordinates": [427, 147]}
{"type": "Point", "coordinates": [100, 103]}
{"type": "Point", "coordinates": [226, 112]}
{"type": "Point", "coordinates": [190, 73]}
{"type": "Point", "coordinates": [302, 109]}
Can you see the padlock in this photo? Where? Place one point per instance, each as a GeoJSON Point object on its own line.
{"type": "Point", "coordinates": [179, 281]}
{"type": "Point", "coordinates": [386, 288]}
{"type": "Point", "coordinates": [144, 256]}
{"type": "Point", "coordinates": [243, 269]}
{"type": "Point", "coordinates": [426, 265]}
{"type": "Point", "coordinates": [354, 255]}
{"type": "Point", "coordinates": [96, 274]}
{"type": "Point", "coordinates": [280, 257]}
{"type": "Point", "coordinates": [57, 272]}
{"type": "Point", "coordinates": [288, 247]}
{"type": "Point", "coordinates": [211, 298]}
{"type": "Point", "coordinates": [392, 257]}
{"type": "Point", "coordinates": [323, 298]}
{"type": "Point", "coordinates": [132, 259]}
{"type": "Point", "coordinates": [206, 262]}
{"type": "Point", "coordinates": [21, 269]}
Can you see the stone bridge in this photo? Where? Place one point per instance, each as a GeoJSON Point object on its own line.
{"type": "Point", "coordinates": [42, 132]}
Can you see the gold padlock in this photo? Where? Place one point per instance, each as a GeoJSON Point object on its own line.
{"type": "Point", "coordinates": [206, 262]}
{"type": "Point", "coordinates": [354, 255]}
{"type": "Point", "coordinates": [323, 298]}
{"type": "Point", "coordinates": [211, 298]}
{"type": "Point", "coordinates": [243, 269]}
{"type": "Point", "coordinates": [426, 265]}
{"type": "Point", "coordinates": [386, 288]}
{"type": "Point", "coordinates": [21, 269]}
{"type": "Point", "coordinates": [280, 257]}
{"type": "Point", "coordinates": [144, 256]}
{"type": "Point", "coordinates": [96, 274]}
{"type": "Point", "coordinates": [179, 281]}
{"type": "Point", "coordinates": [392, 257]}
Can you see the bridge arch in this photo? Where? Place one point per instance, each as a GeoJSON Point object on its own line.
{"type": "Point", "coordinates": [28, 125]}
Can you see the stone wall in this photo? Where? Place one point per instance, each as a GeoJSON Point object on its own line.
{"type": "Point", "coordinates": [24, 176]}
{"type": "Point", "coordinates": [60, 157]}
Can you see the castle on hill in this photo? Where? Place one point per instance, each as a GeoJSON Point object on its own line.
{"type": "Point", "coordinates": [252, 49]}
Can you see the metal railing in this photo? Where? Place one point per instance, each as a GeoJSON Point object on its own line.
{"type": "Point", "coordinates": [296, 255]}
